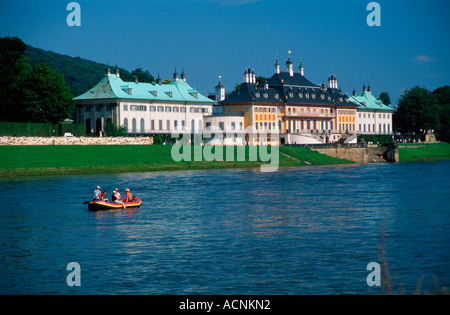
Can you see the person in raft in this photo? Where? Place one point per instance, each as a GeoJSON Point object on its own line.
{"type": "Point", "coordinates": [129, 197]}
{"type": "Point", "coordinates": [116, 198]}
{"type": "Point", "coordinates": [102, 196]}
{"type": "Point", "coordinates": [97, 194]}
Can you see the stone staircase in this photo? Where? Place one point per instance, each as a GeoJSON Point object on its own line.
{"type": "Point", "coordinates": [377, 154]}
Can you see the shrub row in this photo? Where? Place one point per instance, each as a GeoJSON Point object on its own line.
{"type": "Point", "coordinates": [28, 129]}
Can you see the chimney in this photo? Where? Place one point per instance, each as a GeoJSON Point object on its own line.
{"type": "Point", "coordinates": [277, 66]}
{"type": "Point", "coordinates": [183, 76]}
{"type": "Point", "coordinates": [136, 79]}
{"type": "Point", "coordinates": [290, 67]}
{"type": "Point", "coordinates": [158, 80]}
{"type": "Point", "coordinates": [175, 75]}
{"type": "Point", "coordinates": [246, 78]}
{"type": "Point", "coordinates": [302, 70]}
{"type": "Point", "coordinates": [117, 72]}
{"type": "Point", "coordinates": [107, 72]}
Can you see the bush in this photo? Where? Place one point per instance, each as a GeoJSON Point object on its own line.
{"type": "Point", "coordinates": [28, 129]}
{"type": "Point", "coordinates": [112, 130]}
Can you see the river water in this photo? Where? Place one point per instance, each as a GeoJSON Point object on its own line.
{"type": "Point", "coordinates": [310, 230]}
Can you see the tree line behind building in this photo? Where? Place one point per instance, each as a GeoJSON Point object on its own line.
{"type": "Point", "coordinates": [38, 86]}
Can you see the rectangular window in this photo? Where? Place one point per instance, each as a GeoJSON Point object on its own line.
{"type": "Point", "coordinates": [168, 125]}
{"type": "Point", "coordinates": [168, 109]}
{"type": "Point", "coordinates": [153, 108]}
{"type": "Point", "coordinates": [160, 109]}
{"type": "Point", "coordinates": [241, 126]}
{"type": "Point", "coordinates": [125, 107]}
{"type": "Point", "coordinates": [183, 125]}
{"type": "Point", "coordinates": [221, 126]}
{"type": "Point", "coordinates": [160, 125]}
{"type": "Point", "coordinates": [152, 124]}
{"type": "Point", "coordinates": [233, 126]}
{"type": "Point", "coordinates": [175, 123]}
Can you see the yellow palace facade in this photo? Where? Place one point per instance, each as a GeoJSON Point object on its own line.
{"type": "Point", "coordinates": [290, 109]}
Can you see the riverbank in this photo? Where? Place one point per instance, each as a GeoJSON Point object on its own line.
{"type": "Point", "coordinates": [49, 160]}
{"type": "Point", "coordinates": [424, 152]}
{"type": "Point", "coordinates": [100, 159]}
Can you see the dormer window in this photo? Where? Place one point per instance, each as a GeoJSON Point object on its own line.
{"type": "Point", "coordinates": [154, 93]}
{"type": "Point", "coordinates": [277, 96]}
{"type": "Point", "coordinates": [307, 95]}
{"type": "Point", "coordinates": [322, 96]}
{"type": "Point", "coordinates": [266, 95]}
{"type": "Point", "coordinates": [300, 95]}
{"type": "Point", "coordinates": [313, 96]}
{"type": "Point", "coordinates": [258, 95]}
{"type": "Point", "coordinates": [169, 94]}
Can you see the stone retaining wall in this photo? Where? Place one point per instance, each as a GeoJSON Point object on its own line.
{"type": "Point", "coordinates": [356, 154]}
{"type": "Point", "coordinates": [75, 141]}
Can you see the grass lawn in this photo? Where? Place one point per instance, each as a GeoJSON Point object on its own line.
{"type": "Point", "coordinates": [55, 160]}
{"type": "Point", "coordinates": [424, 152]}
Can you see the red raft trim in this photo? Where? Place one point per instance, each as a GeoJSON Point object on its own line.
{"type": "Point", "coordinates": [105, 205]}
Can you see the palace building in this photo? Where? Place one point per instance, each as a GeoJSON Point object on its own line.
{"type": "Point", "coordinates": [143, 108]}
{"type": "Point", "coordinates": [290, 105]}
{"type": "Point", "coordinates": [372, 117]}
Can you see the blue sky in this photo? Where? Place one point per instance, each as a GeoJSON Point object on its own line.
{"type": "Point", "coordinates": [208, 38]}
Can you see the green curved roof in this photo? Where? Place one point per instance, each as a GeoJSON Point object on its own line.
{"type": "Point", "coordinates": [113, 87]}
{"type": "Point", "coordinates": [369, 102]}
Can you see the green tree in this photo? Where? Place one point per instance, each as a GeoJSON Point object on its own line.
{"type": "Point", "coordinates": [143, 76]}
{"type": "Point", "coordinates": [443, 96]}
{"type": "Point", "coordinates": [385, 98]}
{"type": "Point", "coordinates": [418, 110]}
{"type": "Point", "coordinates": [46, 96]}
{"type": "Point", "coordinates": [13, 70]}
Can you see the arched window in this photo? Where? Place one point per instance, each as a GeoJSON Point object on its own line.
{"type": "Point", "coordinates": [200, 126]}
{"type": "Point", "coordinates": [279, 125]}
{"type": "Point", "coordinates": [88, 126]}
{"type": "Point", "coordinates": [98, 125]}
{"type": "Point", "coordinates": [193, 126]}
{"type": "Point", "coordinates": [125, 124]}
{"type": "Point", "coordinates": [134, 125]}
{"type": "Point", "coordinates": [142, 125]}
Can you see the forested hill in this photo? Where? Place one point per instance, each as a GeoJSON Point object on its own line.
{"type": "Point", "coordinates": [80, 74]}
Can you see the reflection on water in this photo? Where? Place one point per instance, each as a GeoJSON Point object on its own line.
{"type": "Point", "coordinates": [306, 230]}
